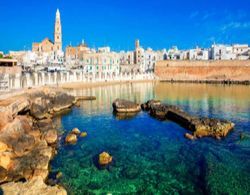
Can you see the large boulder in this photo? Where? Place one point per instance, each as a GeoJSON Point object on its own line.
{"type": "Point", "coordinates": [125, 106]}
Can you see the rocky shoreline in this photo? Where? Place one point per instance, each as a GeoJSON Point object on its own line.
{"type": "Point", "coordinates": [28, 140]}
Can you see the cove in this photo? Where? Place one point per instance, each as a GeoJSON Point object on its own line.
{"type": "Point", "coordinates": [152, 156]}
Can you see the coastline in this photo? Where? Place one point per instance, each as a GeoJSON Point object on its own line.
{"type": "Point", "coordinates": [222, 82]}
{"type": "Point", "coordinates": [28, 139]}
{"type": "Point", "coordinates": [83, 85]}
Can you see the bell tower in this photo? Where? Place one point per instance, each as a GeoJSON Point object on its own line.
{"type": "Point", "coordinates": [58, 33]}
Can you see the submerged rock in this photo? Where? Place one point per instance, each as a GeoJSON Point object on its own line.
{"type": "Point", "coordinates": [71, 138]}
{"type": "Point", "coordinates": [125, 106]}
{"type": "Point", "coordinates": [83, 134]}
{"type": "Point", "coordinates": [104, 159]}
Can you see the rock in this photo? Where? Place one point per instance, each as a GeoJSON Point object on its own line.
{"type": "Point", "coordinates": [123, 106]}
{"type": "Point", "coordinates": [202, 127]}
{"type": "Point", "coordinates": [5, 160]}
{"type": "Point", "coordinates": [59, 175]}
{"type": "Point", "coordinates": [71, 138]}
{"type": "Point", "coordinates": [76, 131]}
{"type": "Point", "coordinates": [3, 147]}
{"type": "Point", "coordinates": [5, 118]}
{"type": "Point", "coordinates": [62, 101]}
{"type": "Point", "coordinates": [32, 187]}
{"type": "Point", "coordinates": [51, 136]}
{"type": "Point", "coordinates": [125, 115]}
{"type": "Point", "coordinates": [3, 174]}
{"type": "Point", "coordinates": [149, 104]}
{"type": "Point", "coordinates": [84, 98]}
{"type": "Point", "coordinates": [190, 136]}
{"type": "Point", "coordinates": [104, 159]}
{"type": "Point", "coordinates": [83, 134]}
{"type": "Point", "coordinates": [209, 127]}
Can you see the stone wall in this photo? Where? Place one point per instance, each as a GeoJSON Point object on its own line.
{"type": "Point", "coordinates": [203, 70]}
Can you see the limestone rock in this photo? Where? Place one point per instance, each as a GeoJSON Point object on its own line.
{"type": "Point", "coordinates": [51, 136]}
{"type": "Point", "coordinates": [71, 138]}
{"type": "Point", "coordinates": [32, 187]}
{"type": "Point", "coordinates": [5, 160]}
{"type": "Point", "coordinates": [3, 147]}
{"type": "Point", "coordinates": [104, 159]}
{"type": "Point", "coordinates": [76, 131]}
{"type": "Point", "coordinates": [201, 127]}
{"type": "Point", "coordinates": [124, 106]}
{"type": "Point", "coordinates": [83, 134]}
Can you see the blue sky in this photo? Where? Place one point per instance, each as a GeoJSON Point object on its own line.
{"type": "Point", "coordinates": [117, 23]}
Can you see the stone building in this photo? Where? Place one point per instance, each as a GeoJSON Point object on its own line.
{"type": "Point", "coordinates": [48, 50]}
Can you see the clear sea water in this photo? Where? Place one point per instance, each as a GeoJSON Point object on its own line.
{"type": "Point", "coordinates": [151, 156]}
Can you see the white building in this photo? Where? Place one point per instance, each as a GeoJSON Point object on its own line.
{"type": "Point", "coordinates": [222, 52]}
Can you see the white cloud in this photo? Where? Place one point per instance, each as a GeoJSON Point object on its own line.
{"type": "Point", "coordinates": [235, 25]}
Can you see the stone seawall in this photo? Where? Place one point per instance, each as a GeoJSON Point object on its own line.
{"type": "Point", "coordinates": [203, 70]}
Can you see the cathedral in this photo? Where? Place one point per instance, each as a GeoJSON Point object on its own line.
{"type": "Point", "coordinates": [48, 46]}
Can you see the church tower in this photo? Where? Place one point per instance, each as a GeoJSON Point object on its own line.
{"type": "Point", "coordinates": [58, 33]}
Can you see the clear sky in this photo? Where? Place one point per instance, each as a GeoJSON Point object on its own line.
{"type": "Point", "coordinates": [117, 23]}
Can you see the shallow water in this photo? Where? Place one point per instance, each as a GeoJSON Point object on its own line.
{"type": "Point", "coordinates": [151, 156]}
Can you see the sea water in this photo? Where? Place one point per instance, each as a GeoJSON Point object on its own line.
{"type": "Point", "coordinates": [152, 156]}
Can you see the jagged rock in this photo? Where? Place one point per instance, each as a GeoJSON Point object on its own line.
{"type": "Point", "coordinates": [32, 187]}
{"type": "Point", "coordinates": [71, 138]}
{"type": "Point", "coordinates": [123, 106]}
{"type": "Point", "coordinates": [104, 159]}
{"type": "Point", "coordinates": [200, 126]}
{"type": "Point", "coordinates": [51, 136]}
{"type": "Point", "coordinates": [216, 128]}
{"type": "Point", "coordinates": [25, 131]}
{"type": "Point", "coordinates": [76, 131]}
{"type": "Point", "coordinates": [34, 163]}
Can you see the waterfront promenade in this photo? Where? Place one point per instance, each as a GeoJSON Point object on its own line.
{"type": "Point", "coordinates": [38, 79]}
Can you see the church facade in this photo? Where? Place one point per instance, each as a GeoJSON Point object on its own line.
{"type": "Point", "coordinates": [47, 45]}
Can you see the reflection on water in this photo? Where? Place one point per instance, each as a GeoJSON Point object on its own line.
{"type": "Point", "coordinates": [152, 156]}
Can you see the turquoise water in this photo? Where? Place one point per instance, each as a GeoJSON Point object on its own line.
{"type": "Point", "coordinates": [151, 156]}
